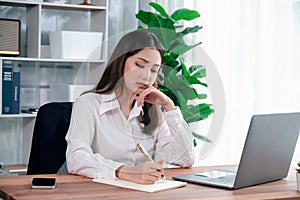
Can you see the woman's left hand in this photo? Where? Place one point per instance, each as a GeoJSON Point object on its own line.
{"type": "Point", "coordinates": [154, 96]}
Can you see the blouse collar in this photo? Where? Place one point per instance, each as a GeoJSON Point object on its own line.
{"type": "Point", "coordinates": [110, 102]}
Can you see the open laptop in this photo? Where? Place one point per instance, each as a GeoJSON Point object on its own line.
{"type": "Point", "coordinates": [267, 154]}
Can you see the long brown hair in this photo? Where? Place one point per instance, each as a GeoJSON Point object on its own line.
{"type": "Point", "coordinates": [112, 78]}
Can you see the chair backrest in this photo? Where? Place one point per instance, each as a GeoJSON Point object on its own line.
{"type": "Point", "coordinates": [48, 147]}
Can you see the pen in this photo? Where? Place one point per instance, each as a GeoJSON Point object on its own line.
{"type": "Point", "coordinates": [146, 154]}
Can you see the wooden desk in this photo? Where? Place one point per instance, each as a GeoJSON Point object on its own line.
{"type": "Point", "coordinates": [78, 187]}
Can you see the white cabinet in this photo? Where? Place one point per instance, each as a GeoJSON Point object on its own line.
{"type": "Point", "coordinates": [41, 73]}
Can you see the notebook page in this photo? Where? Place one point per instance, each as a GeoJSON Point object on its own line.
{"type": "Point", "coordinates": [156, 187]}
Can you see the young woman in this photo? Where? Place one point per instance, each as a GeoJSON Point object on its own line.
{"type": "Point", "coordinates": [125, 109]}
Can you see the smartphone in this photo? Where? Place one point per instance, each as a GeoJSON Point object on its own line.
{"type": "Point", "coordinates": [43, 183]}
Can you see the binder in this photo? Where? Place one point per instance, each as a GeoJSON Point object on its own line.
{"type": "Point", "coordinates": [16, 93]}
{"type": "Point", "coordinates": [10, 90]}
{"type": "Point", "coordinates": [7, 88]}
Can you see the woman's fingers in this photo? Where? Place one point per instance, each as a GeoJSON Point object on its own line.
{"type": "Point", "coordinates": [144, 173]}
{"type": "Point", "coordinates": [141, 98]}
{"type": "Point", "coordinates": [156, 174]}
{"type": "Point", "coordinates": [151, 95]}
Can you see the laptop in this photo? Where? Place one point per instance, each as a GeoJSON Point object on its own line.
{"type": "Point", "coordinates": [266, 157]}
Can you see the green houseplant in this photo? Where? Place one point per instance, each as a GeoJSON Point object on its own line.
{"type": "Point", "coordinates": [178, 80]}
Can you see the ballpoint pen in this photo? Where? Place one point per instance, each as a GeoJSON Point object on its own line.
{"type": "Point", "coordinates": [146, 154]}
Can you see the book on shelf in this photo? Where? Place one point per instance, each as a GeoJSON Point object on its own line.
{"type": "Point", "coordinates": [10, 90]}
{"type": "Point", "coordinates": [15, 168]}
{"type": "Point", "coordinates": [16, 92]}
{"type": "Point", "coordinates": [7, 88]}
{"type": "Point", "coordinates": [30, 110]}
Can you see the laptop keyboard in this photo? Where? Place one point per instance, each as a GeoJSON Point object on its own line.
{"type": "Point", "coordinates": [223, 180]}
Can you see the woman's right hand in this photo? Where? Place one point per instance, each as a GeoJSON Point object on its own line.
{"type": "Point", "coordinates": [144, 173]}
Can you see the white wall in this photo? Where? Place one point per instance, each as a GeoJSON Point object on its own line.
{"type": "Point", "coordinates": [254, 45]}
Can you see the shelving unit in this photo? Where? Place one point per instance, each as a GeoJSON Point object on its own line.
{"type": "Point", "coordinates": [39, 72]}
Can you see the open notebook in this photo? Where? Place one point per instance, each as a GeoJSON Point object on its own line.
{"type": "Point", "coordinates": [156, 187]}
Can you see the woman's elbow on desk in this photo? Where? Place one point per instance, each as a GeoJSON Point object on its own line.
{"type": "Point", "coordinates": [187, 160]}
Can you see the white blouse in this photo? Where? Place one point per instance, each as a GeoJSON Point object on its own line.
{"type": "Point", "coordinates": [100, 139]}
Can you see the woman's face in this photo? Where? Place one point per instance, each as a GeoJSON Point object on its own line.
{"type": "Point", "coordinates": [141, 70]}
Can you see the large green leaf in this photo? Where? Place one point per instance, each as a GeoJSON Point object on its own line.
{"type": "Point", "coordinates": [159, 9]}
{"type": "Point", "coordinates": [178, 26]}
{"type": "Point", "coordinates": [187, 31]}
{"type": "Point", "coordinates": [198, 71]}
{"type": "Point", "coordinates": [181, 48]}
{"type": "Point", "coordinates": [197, 112]}
{"type": "Point", "coordinates": [184, 70]}
{"type": "Point", "coordinates": [191, 30]}
{"type": "Point", "coordinates": [193, 80]}
{"type": "Point", "coordinates": [188, 92]}
{"type": "Point", "coordinates": [196, 118]}
{"type": "Point", "coordinates": [180, 85]}
{"type": "Point", "coordinates": [201, 137]}
{"type": "Point", "coordinates": [164, 29]}
{"type": "Point", "coordinates": [182, 100]}
{"type": "Point", "coordinates": [169, 61]}
{"type": "Point", "coordinates": [174, 83]}
{"type": "Point", "coordinates": [169, 93]}
{"type": "Point", "coordinates": [177, 83]}
{"type": "Point", "coordinates": [146, 17]}
{"type": "Point", "coordinates": [185, 14]}
{"type": "Point", "coordinates": [201, 96]}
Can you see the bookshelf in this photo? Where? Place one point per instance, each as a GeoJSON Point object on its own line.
{"type": "Point", "coordinates": [39, 71]}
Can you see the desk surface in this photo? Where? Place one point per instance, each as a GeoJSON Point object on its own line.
{"type": "Point", "coordinates": [78, 187]}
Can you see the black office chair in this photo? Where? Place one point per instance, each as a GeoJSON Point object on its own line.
{"type": "Point", "coordinates": [48, 147]}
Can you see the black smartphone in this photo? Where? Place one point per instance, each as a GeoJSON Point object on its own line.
{"type": "Point", "coordinates": [43, 183]}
